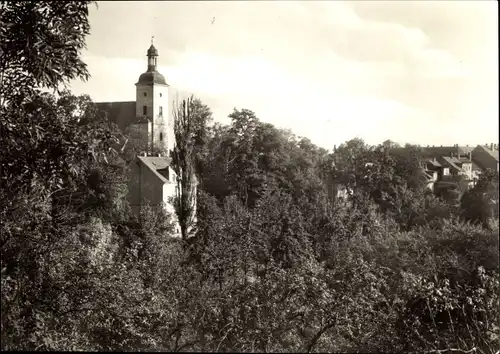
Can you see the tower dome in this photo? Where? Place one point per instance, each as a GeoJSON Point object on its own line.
{"type": "Point", "coordinates": [151, 77]}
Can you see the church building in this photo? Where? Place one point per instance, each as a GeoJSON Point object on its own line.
{"type": "Point", "coordinates": [149, 124]}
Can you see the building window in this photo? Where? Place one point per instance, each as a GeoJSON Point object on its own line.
{"type": "Point", "coordinates": [160, 94]}
{"type": "Point", "coordinates": [144, 110]}
{"type": "Point", "coordinates": [161, 111]}
{"type": "Point", "coordinates": [161, 136]}
{"type": "Point", "coordinates": [145, 94]}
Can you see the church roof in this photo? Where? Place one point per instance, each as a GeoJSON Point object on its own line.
{"type": "Point", "coordinates": [122, 114]}
{"type": "Point", "coordinates": [152, 77]}
{"type": "Point", "coordinates": [157, 165]}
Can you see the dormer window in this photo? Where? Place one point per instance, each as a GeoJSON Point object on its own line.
{"type": "Point", "coordinates": [144, 110]}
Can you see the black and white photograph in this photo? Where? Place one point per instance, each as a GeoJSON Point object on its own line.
{"type": "Point", "coordinates": [250, 176]}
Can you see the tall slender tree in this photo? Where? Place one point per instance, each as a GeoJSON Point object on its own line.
{"type": "Point", "coordinates": [183, 165]}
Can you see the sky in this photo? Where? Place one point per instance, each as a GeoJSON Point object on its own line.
{"type": "Point", "coordinates": [422, 72]}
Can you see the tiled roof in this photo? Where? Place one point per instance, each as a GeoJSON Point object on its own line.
{"type": "Point", "coordinates": [122, 114]}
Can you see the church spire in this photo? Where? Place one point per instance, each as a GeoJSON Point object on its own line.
{"type": "Point", "coordinates": [152, 56]}
{"type": "Point", "coordinates": [152, 76]}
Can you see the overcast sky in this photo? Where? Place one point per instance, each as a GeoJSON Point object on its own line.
{"type": "Point", "coordinates": [421, 72]}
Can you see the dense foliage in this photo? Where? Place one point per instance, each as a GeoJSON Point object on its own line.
{"type": "Point", "coordinates": [296, 248]}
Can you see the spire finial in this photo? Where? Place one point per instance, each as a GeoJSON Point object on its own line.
{"type": "Point", "coordinates": [152, 39]}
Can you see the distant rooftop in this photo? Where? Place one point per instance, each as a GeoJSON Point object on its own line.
{"type": "Point", "coordinates": [450, 162]}
{"type": "Point", "coordinates": [491, 152]}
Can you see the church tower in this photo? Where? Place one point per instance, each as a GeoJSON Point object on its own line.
{"type": "Point", "coordinates": [152, 109]}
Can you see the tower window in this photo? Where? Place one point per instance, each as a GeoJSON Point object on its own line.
{"type": "Point", "coordinates": [161, 111]}
{"type": "Point", "coordinates": [161, 136]}
{"type": "Point", "coordinates": [144, 110]}
{"type": "Point", "coordinates": [160, 94]}
{"type": "Point", "coordinates": [145, 94]}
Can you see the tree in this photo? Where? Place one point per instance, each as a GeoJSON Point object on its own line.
{"type": "Point", "coordinates": [51, 147]}
{"type": "Point", "coordinates": [183, 165]}
{"type": "Point", "coordinates": [408, 166]}
{"type": "Point", "coordinates": [40, 46]}
{"type": "Point", "coordinates": [480, 203]}
{"type": "Point", "coordinates": [202, 120]}
{"type": "Point", "coordinates": [243, 167]}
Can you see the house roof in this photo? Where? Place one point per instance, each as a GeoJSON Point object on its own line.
{"type": "Point", "coordinates": [446, 150]}
{"type": "Point", "coordinates": [156, 164]}
{"type": "Point", "coordinates": [455, 160]}
{"type": "Point", "coordinates": [465, 149]}
{"type": "Point", "coordinates": [122, 114]}
{"type": "Point", "coordinates": [434, 163]}
{"type": "Point", "coordinates": [449, 161]}
{"type": "Point", "coordinates": [492, 153]}
{"type": "Point", "coordinates": [434, 151]}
